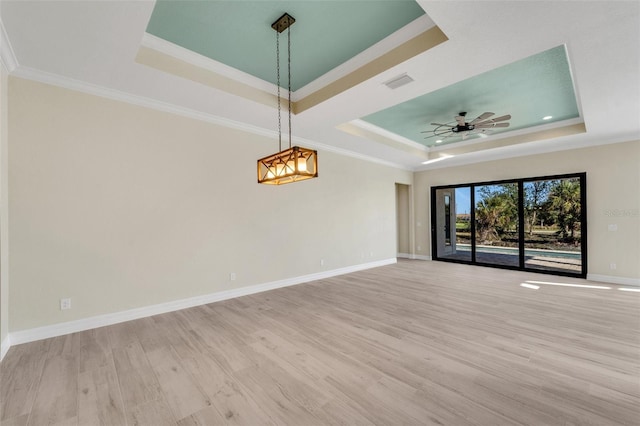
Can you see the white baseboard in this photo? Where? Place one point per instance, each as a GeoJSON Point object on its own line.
{"type": "Point", "coordinates": [4, 347]}
{"type": "Point", "coordinates": [614, 280]}
{"type": "Point", "coordinates": [421, 257]}
{"type": "Point", "coordinates": [412, 256]}
{"type": "Point", "coordinates": [39, 333]}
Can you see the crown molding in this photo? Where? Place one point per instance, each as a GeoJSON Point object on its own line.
{"type": "Point", "coordinates": [117, 95]}
{"type": "Point", "coordinates": [178, 52]}
{"type": "Point", "coordinates": [404, 34]}
{"type": "Point", "coordinates": [96, 90]}
{"type": "Point", "coordinates": [365, 125]}
{"type": "Point", "coordinates": [7, 55]}
{"type": "Point", "coordinates": [320, 146]}
{"type": "Point", "coordinates": [390, 139]}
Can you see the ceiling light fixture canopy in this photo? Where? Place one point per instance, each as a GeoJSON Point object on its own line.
{"type": "Point", "coordinates": [295, 163]}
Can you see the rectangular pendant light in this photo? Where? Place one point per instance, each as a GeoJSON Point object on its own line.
{"type": "Point", "coordinates": [291, 165]}
{"type": "Point", "coordinates": [296, 163]}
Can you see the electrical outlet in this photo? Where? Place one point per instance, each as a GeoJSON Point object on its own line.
{"type": "Point", "coordinates": [612, 266]}
{"type": "Point", "coordinates": [613, 227]}
{"type": "Point", "coordinates": [321, 262]}
{"type": "Point", "coordinates": [232, 276]}
{"type": "Point", "coordinates": [65, 304]}
{"type": "Point", "coordinates": [419, 248]}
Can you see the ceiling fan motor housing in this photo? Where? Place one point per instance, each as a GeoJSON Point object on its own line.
{"type": "Point", "coordinates": [465, 128]}
{"type": "Point", "coordinates": [462, 127]}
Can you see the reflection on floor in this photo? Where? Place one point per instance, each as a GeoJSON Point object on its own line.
{"type": "Point", "coordinates": [414, 343]}
{"type": "Point", "coordinates": [544, 263]}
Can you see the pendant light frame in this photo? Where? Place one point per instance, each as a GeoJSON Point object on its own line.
{"type": "Point", "coordinates": [295, 163]}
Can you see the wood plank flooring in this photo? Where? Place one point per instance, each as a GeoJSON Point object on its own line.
{"type": "Point", "coordinates": [417, 343]}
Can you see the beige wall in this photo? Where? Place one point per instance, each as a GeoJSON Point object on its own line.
{"type": "Point", "coordinates": [4, 209]}
{"type": "Point", "coordinates": [118, 206]}
{"type": "Point", "coordinates": [613, 185]}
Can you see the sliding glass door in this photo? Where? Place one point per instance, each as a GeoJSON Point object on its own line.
{"type": "Point", "coordinates": [496, 224]}
{"type": "Point", "coordinates": [535, 224]}
{"type": "Point", "coordinates": [553, 225]}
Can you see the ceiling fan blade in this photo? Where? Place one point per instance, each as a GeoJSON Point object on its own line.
{"type": "Point", "coordinates": [460, 120]}
{"type": "Point", "coordinates": [438, 134]}
{"type": "Point", "coordinates": [491, 125]}
{"type": "Point", "coordinates": [491, 122]}
{"type": "Point", "coordinates": [438, 124]}
{"type": "Point", "coordinates": [482, 117]}
{"type": "Point", "coordinates": [503, 118]}
{"type": "Point", "coordinates": [494, 120]}
{"type": "Point", "coordinates": [447, 136]}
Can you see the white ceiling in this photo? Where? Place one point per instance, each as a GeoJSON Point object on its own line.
{"type": "Point", "coordinates": [91, 46]}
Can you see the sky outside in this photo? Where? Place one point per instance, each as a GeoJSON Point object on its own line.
{"type": "Point", "coordinates": [463, 200]}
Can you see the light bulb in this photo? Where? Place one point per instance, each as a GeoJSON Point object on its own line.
{"type": "Point", "coordinates": [302, 164]}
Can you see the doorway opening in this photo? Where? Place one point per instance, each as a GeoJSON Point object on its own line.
{"type": "Point", "coordinates": [403, 221]}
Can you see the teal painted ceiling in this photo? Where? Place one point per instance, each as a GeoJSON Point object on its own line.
{"type": "Point", "coordinates": [238, 33]}
{"type": "Point", "coordinates": [529, 90]}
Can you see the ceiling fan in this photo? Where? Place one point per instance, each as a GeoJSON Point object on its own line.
{"type": "Point", "coordinates": [480, 125]}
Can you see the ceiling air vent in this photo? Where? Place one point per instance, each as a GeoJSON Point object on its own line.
{"type": "Point", "coordinates": [398, 81]}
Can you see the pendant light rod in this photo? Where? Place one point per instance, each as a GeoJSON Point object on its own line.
{"type": "Point", "coordinates": [296, 163]}
{"type": "Point", "coordinates": [278, 84]}
{"type": "Point", "coordinates": [289, 77]}
{"type": "Point", "coordinates": [283, 23]}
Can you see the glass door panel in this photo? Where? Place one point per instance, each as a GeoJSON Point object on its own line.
{"type": "Point", "coordinates": [452, 228]}
{"type": "Point", "coordinates": [463, 223]}
{"type": "Point", "coordinates": [553, 209]}
{"type": "Point", "coordinates": [496, 224]}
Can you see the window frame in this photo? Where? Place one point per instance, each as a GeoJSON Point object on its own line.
{"type": "Point", "coordinates": [581, 176]}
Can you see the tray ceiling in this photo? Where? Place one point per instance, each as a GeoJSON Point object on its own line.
{"type": "Point", "coordinates": [96, 46]}
{"type": "Point", "coordinates": [530, 90]}
{"type": "Point", "coordinates": [238, 33]}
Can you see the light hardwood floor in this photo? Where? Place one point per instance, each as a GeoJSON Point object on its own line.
{"type": "Point", "coordinates": [412, 343]}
